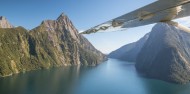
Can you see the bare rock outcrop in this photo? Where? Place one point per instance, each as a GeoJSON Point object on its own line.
{"type": "Point", "coordinates": [4, 23]}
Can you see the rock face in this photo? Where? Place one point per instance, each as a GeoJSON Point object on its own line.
{"type": "Point", "coordinates": [4, 23]}
{"type": "Point", "coordinates": [130, 51]}
{"type": "Point", "coordinates": [166, 55]}
{"type": "Point", "coordinates": [52, 44]}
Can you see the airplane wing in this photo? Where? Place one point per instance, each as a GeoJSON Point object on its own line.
{"type": "Point", "coordinates": [159, 11]}
{"type": "Point", "coordinates": [185, 12]}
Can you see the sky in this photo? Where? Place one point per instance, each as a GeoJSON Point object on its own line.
{"type": "Point", "coordinates": [83, 13]}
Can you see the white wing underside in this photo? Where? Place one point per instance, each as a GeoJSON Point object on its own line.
{"type": "Point", "coordinates": [159, 11]}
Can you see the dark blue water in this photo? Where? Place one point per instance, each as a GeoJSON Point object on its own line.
{"type": "Point", "coordinates": [110, 77]}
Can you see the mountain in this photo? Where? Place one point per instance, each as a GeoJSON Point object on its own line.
{"type": "Point", "coordinates": [130, 51]}
{"type": "Point", "coordinates": [166, 55]}
{"type": "Point", "coordinates": [4, 23]}
{"type": "Point", "coordinates": [117, 54]}
{"type": "Point", "coordinates": [53, 43]}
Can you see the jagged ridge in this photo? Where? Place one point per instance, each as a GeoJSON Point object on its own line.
{"type": "Point", "coordinates": [52, 44]}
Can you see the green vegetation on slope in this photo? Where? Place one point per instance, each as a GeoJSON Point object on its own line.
{"type": "Point", "coordinates": [52, 44]}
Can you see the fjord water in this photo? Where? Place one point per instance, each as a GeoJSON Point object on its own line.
{"type": "Point", "coordinates": [110, 77]}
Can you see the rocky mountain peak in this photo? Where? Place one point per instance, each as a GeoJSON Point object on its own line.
{"type": "Point", "coordinates": [4, 23]}
{"type": "Point", "coordinates": [62, 17]}
{"type": "Point", "coordinates": [2, 18]}
{"type": "Point", "coordinates": [61, 22]}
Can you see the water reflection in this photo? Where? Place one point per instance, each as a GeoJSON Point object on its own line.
{"type": "Point", "coordinates": [53, 81]}
{"type": "Point", "coordinates": [111, 77]}
{"type": "Point", "coordinates": [118, 77]}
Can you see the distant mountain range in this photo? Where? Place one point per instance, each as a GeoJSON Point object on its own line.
{"type": "Point", "coordinates": [130, 51]}
{"type": "Point", "coordinates": [52, 44]}
{"type": "Point", "coordinates": [163, 54]}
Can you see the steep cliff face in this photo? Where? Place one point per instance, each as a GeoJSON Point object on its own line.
{"type": "Point", "coordinates": [130, 51]}
{"type": "Point", "coordinates": [63, 44]}
{"type": "Point", "coordinates": [52, 44]}
{"type": "Point", "coordinates": [166, 55]}
{"type": "Point", "coordinates": [4, 23]}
